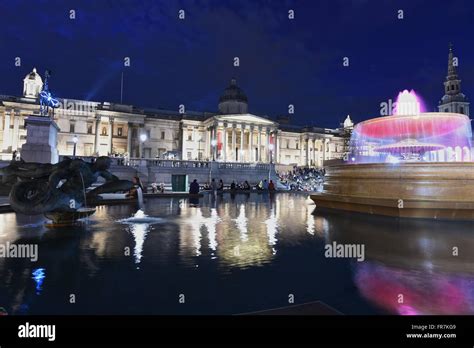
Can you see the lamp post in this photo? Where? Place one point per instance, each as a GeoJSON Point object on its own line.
{"type": "Point", "coordinates": [143, 138]}
{"type": "Point", "coordinates": [213, 144]}
{"type": "Point", "coordinates": [74, 140]}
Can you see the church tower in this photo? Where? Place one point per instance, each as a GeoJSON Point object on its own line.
{"type": "Point", "coordinates": [453, 100]}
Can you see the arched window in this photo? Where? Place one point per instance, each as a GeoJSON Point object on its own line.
{"type": "Point", "coordinates": [104, 131]}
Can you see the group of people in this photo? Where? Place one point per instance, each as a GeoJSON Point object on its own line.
{"type": "Point", "coordinates": [214, 185]}
{"type": "Point", "coordinates": [303, 178]}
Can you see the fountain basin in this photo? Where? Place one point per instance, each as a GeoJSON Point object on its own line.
{"type": "Point", "coordinates": [434, 190]}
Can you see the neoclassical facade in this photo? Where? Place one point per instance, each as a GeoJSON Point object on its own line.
{"type": "Point", "coordinates": [232, 134]}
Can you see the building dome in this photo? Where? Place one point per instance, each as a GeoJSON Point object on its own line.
{"type": "Point", "coordinates": [348, 122]}
{"type": "Point", "coordinates": [32, 84]}
{"type": "Point", "coordinates": [233, 100]}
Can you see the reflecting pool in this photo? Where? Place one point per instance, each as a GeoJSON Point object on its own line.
{"type": "Point", "coordinates": [234, 254]}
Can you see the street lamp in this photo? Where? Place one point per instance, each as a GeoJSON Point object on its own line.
{"type": "Point", "coordinates": [270, 147]}
{"type": "Point", "coordinates": [75, 140]}
{"type": "Point", "coordinates": [213, 144]}
{"type": "Point", "coordinates": [143, 138]}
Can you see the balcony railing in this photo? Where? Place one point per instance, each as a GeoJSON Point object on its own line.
{"type": "Point", "coordinates": [168, 163]}
{"type": "Point", "coordinates": [155, 162]}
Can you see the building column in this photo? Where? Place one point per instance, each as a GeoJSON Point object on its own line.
{"type": "Point", "coordinates": [111, 134]}
{"type": "Point", "coordinates": [267, 150]}
{"type": "Point", "coordinates": [208, 143]}
{"type": "Point", "coordinates": [234, 144]}
{"type": "Point", "coordinates": [215, 140]}
{"type": "Point", "coordinates": [310, 151]}
{"type": "Point", "coordinates": [16, 135]}
{"type": "Point", "coordinates": [183, 142]}
{"type": "Point", "coordinates": [301, 142]}
{"type": "Point", "coordinates": [224, 143]}
{"type": "Point", "coordinates": [251, 149]}
{"type": "Point", "coordinates": [307, 152]}
{"type": "Point", "coordinates": [140, 142]}
{"type": "Point", "coordinates": [277, 147]}
{"type": "Point", "coordinates": [97, 135]}
{"type": "Point", "coordinates": [241, 148]}
{"type": "Point", "coordinates": [324, 150]}
{"type": "Point", "coordinates": [259, 141]}
{"type": "Point", "coordinates": [6, 131]}
{"type": "Point", "coordinates": [129, 139]}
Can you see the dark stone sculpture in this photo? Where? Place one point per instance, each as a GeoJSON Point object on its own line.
{"type": "Point", "coordinates": [58, 189]}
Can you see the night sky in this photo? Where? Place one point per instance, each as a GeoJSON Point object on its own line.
{"type": "Point", "coordinates": [282, 61]}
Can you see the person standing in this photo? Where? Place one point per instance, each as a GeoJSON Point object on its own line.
{"type": "Point", "coordinates": [271, 186]}
{"type": "Point", "coordinates": [194, 187]}
{"type": "Point", "coordinates": [214, 185]}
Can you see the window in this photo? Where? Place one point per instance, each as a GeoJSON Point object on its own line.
{"type": "Point", "coordinates": [89, 128]}
{"type": "Point", "coordinates": [72, 127]}
{"type": "Point", "coordinates": [148, 134]}
{"type": "Point", "coordinates": [119, 131]}
{"type": "Point", "coordinates": [190, 156]}
{"type": "Point", "coordinates": [297, 146]}
{"type": "Point", "coordinates": [104, 131]}
{"type": "Point", "coordinates": [446, 110]}
{"type": "Point", "coordinates": [461, 110]}
{"type": "Point", "coordinates": [190, 135]}
{"type": "Point", "coordinates": [162, 135]}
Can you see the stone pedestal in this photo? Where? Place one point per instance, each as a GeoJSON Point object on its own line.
{"type": "Point", "coordinates": [41, 140]}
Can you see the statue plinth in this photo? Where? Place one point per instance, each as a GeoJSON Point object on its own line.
{"type": "Point", "coordinates": [41, 140]}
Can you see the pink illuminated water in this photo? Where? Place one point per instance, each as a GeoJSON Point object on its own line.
{"type": "Point", "coordinates": [412, 135]}
{"type": "Point", "coordinates": [408, 103]}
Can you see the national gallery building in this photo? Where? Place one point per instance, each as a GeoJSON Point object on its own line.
{"type": "Point", "coordinates": [230, 135]}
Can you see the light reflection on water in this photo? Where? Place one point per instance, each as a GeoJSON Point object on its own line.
{"type": "Point", "coordinates": [235, 254]}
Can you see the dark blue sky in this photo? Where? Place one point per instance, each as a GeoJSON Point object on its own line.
{"type": "Point", "coordinates": [190, 62]}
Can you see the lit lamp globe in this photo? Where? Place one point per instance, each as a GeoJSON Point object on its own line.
{"type": "Point", "coordinates": [143, 138]}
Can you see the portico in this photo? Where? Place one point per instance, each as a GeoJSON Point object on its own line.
{"type": "Point", "coordinates": [241, 138]}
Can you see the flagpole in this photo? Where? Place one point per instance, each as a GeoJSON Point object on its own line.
{"type": "Point", "coordinates": [121, 89]}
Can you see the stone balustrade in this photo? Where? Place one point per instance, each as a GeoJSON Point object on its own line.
{"type": "Point", "coordinates": [161, 170]}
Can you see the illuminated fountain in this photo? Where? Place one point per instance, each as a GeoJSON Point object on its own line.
{"type": "Point", "coordinates": [411, 164]}
{"type": "Point", "coordinates": [412, 135]}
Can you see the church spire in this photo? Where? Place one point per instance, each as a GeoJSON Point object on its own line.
{"type": "Point", "coordinates": [452, 73]}
{"type": "Point", "coordinates": [453, 100]}
{"type": "Point", "coordinates": [452, 85]}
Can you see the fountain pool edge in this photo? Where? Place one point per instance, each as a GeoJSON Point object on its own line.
{"type": "Point", "coordinates": [432, 190]}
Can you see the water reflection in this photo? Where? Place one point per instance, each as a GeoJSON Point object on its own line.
{"type": "Point", "coordinates": [241, 222]}
{"type": "Point", "coordinates": [236, 254]}
{"type": "Point", "coordinates": [139, 232]}
{"type": "Point", "coordinates": [413, 266]}
{"type": "Point", "coordinates": [38, 276]}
